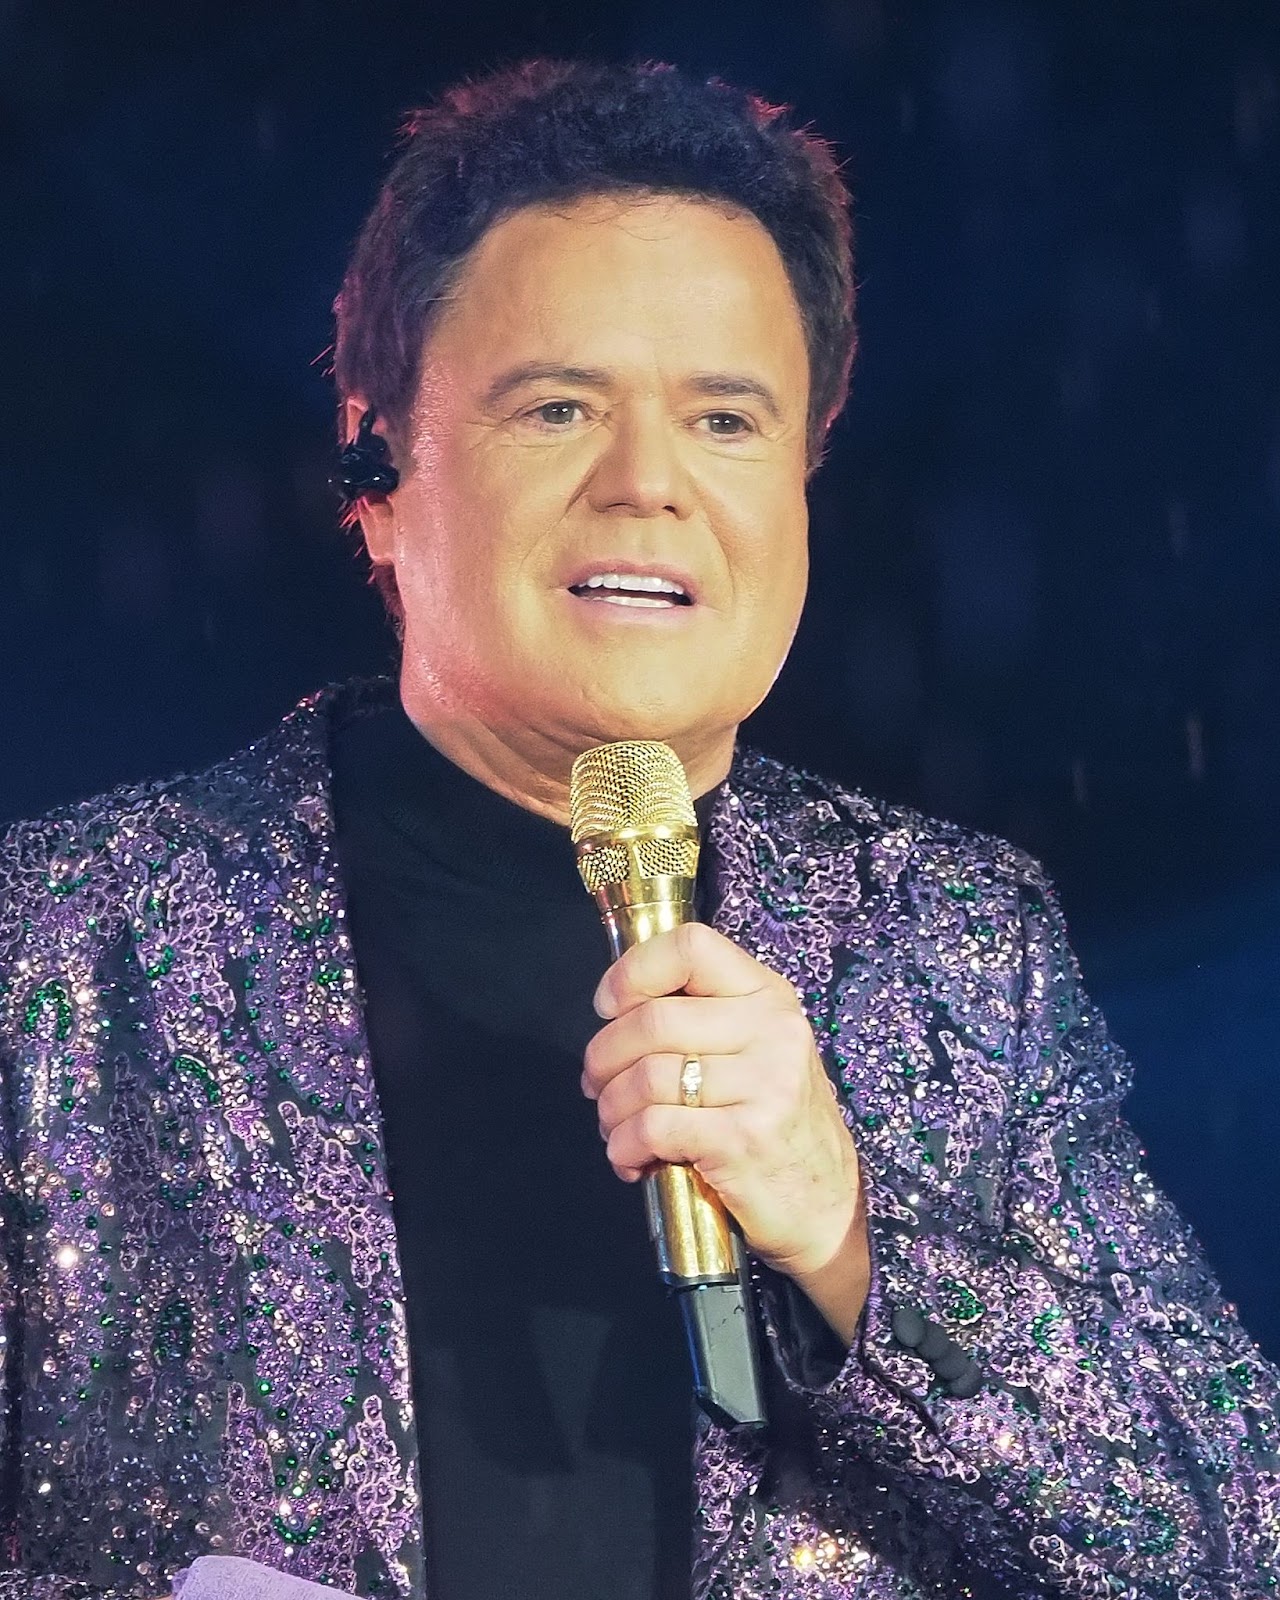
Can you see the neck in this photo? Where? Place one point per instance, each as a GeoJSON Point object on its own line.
{"type": "Point", "coordinates": [531, 768]}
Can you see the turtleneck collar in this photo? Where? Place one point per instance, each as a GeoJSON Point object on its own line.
{"type": "Point", "coordinates": [440, 813]}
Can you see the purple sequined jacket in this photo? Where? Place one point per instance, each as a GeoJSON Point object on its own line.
{"type": "Point", "coordinates": [204, 1322]}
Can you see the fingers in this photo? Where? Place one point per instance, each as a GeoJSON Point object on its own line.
{"type": "Point", "coordinates": [693, 958]}
{"type": "Point", "coordinates": [675, 1024]}
{"type": "Point", "coordinates": [767, 1134]}
{"type": "Point", "coordinates": [655, 1080]}
{"type": "Point", "coordinates": [666, 1133]}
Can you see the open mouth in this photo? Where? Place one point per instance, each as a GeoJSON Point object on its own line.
{"type": "Point", "coordinates": [630, 589]}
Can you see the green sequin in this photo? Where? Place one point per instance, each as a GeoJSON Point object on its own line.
{"type": "Point", "coordinates": [51, 995]}
{"type": "Point", "coordinates": [194, 1067]}
{"type": "Point", "coordinates": [161, 968]}
{"type": "Point", "coordinates": [1040, 1329]}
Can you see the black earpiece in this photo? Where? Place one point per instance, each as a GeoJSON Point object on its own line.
{"type": "Point", "coordinates": [364, 466]}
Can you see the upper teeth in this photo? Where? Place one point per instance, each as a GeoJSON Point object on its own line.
{"type": "Point", "coordinates": [624, 580]}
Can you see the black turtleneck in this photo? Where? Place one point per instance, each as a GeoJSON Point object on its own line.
{"type": "Point", "coordinates": [550, 1381]}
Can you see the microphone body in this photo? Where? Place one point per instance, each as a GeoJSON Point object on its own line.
{"type": "Point", "coordinates": [699, 1249]}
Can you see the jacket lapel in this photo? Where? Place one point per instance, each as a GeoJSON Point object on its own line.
{"type": "Point", "coordinates": [268, 1040]}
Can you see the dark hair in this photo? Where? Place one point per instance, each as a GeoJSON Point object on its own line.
{"type": "Point", "coordinates": [555, 130]}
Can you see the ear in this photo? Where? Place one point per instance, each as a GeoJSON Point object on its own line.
{"type": "Point", "coordinates": [376, 517]}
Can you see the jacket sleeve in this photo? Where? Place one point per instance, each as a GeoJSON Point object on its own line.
{"type": "Point", "coordinates": [18, 1582]}
{"type": "Point", "coordinates": [18, 1585]}
{"type": "Point", "coordinates": [1057, 1378]}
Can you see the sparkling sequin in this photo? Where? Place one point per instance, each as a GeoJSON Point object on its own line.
{"type": "Point", "coordinates": [213, 1354]}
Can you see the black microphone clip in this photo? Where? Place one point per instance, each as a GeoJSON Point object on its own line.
{"type": "Point", "coordinates": [364, 466]}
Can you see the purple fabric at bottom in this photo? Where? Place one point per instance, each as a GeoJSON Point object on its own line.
{"type": "Point", "coordinates": [233, 1578]}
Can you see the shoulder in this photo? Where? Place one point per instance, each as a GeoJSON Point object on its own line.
{"type": "Point", "coordinates": [89, 860]}
{"type": "Point", "coordinates": [835, 888]}
{"type": "Point", "coordinates": [819, 824]}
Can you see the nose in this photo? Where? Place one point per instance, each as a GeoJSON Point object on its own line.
{"type": "Point", "coordinates": [640, 473]}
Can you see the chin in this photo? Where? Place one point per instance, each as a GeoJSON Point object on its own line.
{"type": "Point", "coordinates": [667, 724]}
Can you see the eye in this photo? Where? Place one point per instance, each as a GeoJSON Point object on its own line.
{"type": "Point", "coordinates": [555, 414]}
{"type": "Point", "coordinates": [726, 424]}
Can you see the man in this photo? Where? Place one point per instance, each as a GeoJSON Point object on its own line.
{"type": "Point", "coordinates": [314, 1256]}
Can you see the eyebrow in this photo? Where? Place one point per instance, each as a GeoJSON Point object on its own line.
{"type": "Point", "coordinates": [539, 372]}
{"type": "Point", "coordinates": [718, 385]}
{"type": "Point", "coordinates": [729, 385]}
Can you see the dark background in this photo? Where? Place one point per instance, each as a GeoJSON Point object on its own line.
{"type": "Point", "coordinates": [1047, 542]}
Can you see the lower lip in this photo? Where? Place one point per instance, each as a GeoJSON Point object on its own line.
{"type": "Point", "coordinates": [626, 610]}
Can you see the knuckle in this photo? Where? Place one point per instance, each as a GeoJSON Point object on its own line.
{"type": "Point", "coordinates": [736, 1143]}
{"type": "Point", "coordinates": [605, 1112]}
{"type": "Point", "coordinates": [756, 1134]}
{"type": "Point", "coordinates": [591, 1062]}
{"type": "Point", "coordinates": [651, 1077]}
{"type": "Point", "coordinates": [655, 1021]}
{"type": "Point", "coordinates": [795, 1034]}
{"type": "Point", "coordinates": [650, 1124]}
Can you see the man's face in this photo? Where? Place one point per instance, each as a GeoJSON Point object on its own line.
{"type": "Point", "coordinates": [617, 390]}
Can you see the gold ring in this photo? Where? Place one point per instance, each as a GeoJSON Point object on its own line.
{"type": "Point", "coordinates": [691, 1081]}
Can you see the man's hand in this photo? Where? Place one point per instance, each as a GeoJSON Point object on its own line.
{"type": "Point", "coordinates": [767, 1136]}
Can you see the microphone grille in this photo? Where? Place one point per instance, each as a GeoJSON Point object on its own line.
{"type": "Point", "coordinates": [639, 787]}
{"type": "Point", "coordinates": [633, 783]}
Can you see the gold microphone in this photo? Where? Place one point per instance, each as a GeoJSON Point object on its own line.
{"type": "Point", "coordinates": [636, 836]}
